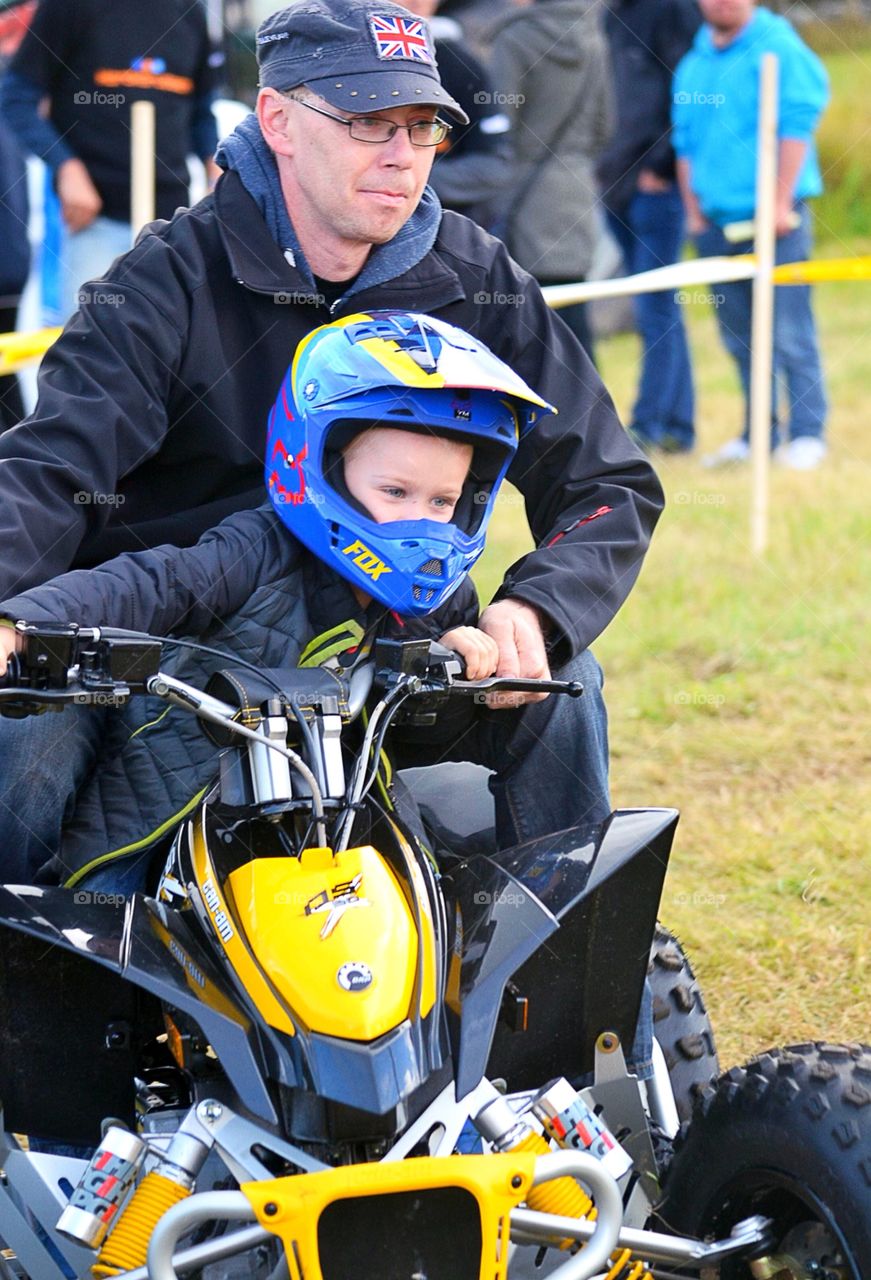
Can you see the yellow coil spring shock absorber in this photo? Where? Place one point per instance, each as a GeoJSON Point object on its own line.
{"type": "Point", "coordinates": [625, 1267]}
{"type": "Point", "coordinates": [561, 1196]}
{"type": "Point", "coordinates": [172, 1180]}
{"type": "Point", "coordinates": [508, 1132]}
{"type": "Point", "coordinates": [127, 1246]}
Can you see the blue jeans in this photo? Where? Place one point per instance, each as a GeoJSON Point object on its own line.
{"type": "Point", "coordinates": [650, 233]}
{"type": "Point", "coordinates": [43, 761]}
{"type": "Point", "coordinates": [797, 371]}
{"type": "Point", "coordinates": [550, 758]}
{"type": "Point", "coordinates": [87, 255]}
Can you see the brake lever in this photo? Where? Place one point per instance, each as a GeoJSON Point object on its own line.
{"type": "Point", "coordinates": [514, 684]}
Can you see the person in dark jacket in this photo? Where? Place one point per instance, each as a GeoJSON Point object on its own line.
{"type": "Point", "coordinates": [90, 63]}
{"type": "Point", "coordinates": [473, 166]}
{"type": "Point", "coordinates": [549, 64]}
{"type": "Point", "coordinates": [647, 39]}
{"type": "Point", "coordinates": [14, 263]}
{"type": "Point", "coordinates": [148, 426]}
{"type": "Point", "coordinates": [14, 214]}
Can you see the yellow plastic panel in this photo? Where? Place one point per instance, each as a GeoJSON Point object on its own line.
{"type": "Point", "coordinates": [335, 935]}
{"type": "Point", "coordinates": [227, 934]}
{"type": "Point", "coordinates": [291, 1207]}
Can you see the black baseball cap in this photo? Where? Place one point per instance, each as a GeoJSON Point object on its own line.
{"type": "Point", "coordinates": [358, 55]}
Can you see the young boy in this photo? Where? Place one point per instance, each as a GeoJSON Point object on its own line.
{"type": "Point", "coordinates": [388, 441]}
{"type": "Point", "coordinates": [396, 475]}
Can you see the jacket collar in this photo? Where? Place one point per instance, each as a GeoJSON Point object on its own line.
{"type": "Point", "coordinates": [257, 262]}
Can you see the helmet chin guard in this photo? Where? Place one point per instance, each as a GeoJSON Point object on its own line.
{"type": "Point", "coordinates": [409, 372]}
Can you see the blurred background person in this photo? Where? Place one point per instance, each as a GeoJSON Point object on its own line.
{"type": "Point", "coordinates": [14, 212]}
{"type": "Point", "coordinates": [549, 64]}
{"type": "Point", "coordinates": [647, 39]}
{"type": "Point", "coordinates": [473, 165]}
{"type": "Point", "coordinates": [88, 62]}
{"type": "Point", "coordinates": [715, 113]}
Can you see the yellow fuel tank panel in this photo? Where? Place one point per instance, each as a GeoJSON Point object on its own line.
{"type": "Point", "coordinates": [336, 936]}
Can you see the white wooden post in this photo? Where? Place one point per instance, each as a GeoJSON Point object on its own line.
{"type": "Point", "coordinates": [762, 339]}
{"type": "Point", "coordinates": [142, 165]}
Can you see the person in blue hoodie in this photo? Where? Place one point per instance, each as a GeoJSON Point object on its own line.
{"type": "Point", "coordinates": [715, 110]}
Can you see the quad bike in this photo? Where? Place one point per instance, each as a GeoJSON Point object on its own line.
{"type": "Point", "coordinates": [337, 1043]}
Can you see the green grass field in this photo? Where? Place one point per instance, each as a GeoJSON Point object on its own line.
{"type": "Point", "coordinates": [738, 692]}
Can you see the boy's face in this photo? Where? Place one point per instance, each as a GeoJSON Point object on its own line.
{"type": "Point", "coordinates": [398, 475]}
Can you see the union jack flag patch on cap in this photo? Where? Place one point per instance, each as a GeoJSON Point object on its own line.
{"type": "Point", "coordinates": [401, 38]}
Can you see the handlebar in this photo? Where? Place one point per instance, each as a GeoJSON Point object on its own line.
{"type": "Point", "coordinates": [63, 664]}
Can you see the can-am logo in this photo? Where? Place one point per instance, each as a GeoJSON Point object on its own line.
{"type": "Point", "coordinates": [219, 915]}
{"type": "Point", "coordinates": [354, 976]}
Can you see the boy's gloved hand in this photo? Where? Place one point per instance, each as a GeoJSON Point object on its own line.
{"type": "Point", "coordinates": [478, 650]}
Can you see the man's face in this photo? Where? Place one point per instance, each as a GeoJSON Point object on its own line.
{"type": "Point", "coordinates": [398, 475]}
{"type": "Point", "coordinates": [343, 193]}
{"type": "Point", "coordinates": [727, 17]}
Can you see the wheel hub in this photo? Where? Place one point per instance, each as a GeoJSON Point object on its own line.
{"type": "Point", "coordinates": [807, 1252]}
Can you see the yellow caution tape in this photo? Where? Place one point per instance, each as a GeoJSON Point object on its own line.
{"type": "Point", "coordinates": [20, 349]}
{"type": "Point", "coordinates": [698, 271]}
{"type": "Point", "coordinates": [825, 270]}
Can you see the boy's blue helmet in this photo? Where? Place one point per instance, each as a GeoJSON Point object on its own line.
{"type": "Point", "coordinates": [402, 370]}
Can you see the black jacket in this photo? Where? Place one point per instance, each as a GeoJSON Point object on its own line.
{"type": "Point", "coordinates": [647, 39]}
{"type": "Point", "coordinates": [152, 412]}
{"type": "Point", "coordinates": [247, 589]}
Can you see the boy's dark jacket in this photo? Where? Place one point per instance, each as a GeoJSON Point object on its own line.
{"type": "Point", "coordinates": [247, 588]}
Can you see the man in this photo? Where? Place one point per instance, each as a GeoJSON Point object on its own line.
{"type": "Point", "coordinates": [150, 423]}
{"type": "Point", "coordinates": [91, 63]}
{"type": "Point", "coordinates": [647, 39]}
{"type": "Point", "coordinates": [716, 102]}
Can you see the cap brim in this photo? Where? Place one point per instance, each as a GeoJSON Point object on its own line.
{"type": "Point", "coordinates": [379, 92]}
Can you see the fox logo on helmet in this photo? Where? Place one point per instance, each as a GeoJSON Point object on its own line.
{"type": "Point", "coordinates": [366, 560]}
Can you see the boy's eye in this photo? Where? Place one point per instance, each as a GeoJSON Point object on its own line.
{"type": "Point", "coordinates": [442, 503]}
{"type": "Point", "coordinates": [393, 491]}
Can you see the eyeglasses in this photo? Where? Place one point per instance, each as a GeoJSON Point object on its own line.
{"type": "Point", "coordinates": [423, 133]}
